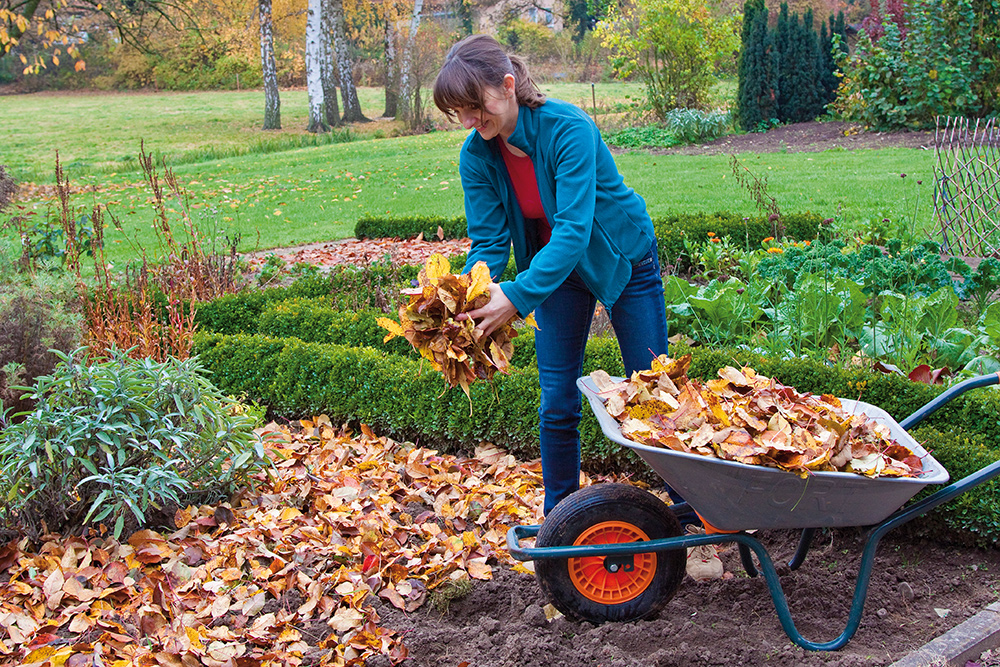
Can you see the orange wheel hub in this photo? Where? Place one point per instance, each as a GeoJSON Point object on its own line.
{"type": "Point", "coordinates": [598, 583]}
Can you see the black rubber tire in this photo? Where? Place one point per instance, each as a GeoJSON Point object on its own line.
{"type": "Point", "coordinates": [589, 507]}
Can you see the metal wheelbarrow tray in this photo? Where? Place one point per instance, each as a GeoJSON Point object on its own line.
{"type": "Point", "coordinates": [612, 552]}
{"type": "Point", "coordinates": [737, 496]}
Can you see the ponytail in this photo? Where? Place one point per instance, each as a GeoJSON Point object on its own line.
{"type": "Point", "coordinates": [525, 88]}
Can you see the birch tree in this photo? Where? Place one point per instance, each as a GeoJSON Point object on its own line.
{"type": "Point", "coordinates": [407, 82]}
{"type": "Point", "coordinates": [328, 70]}
{"type": "Point", "coordinates": [352, 106]}
{"type": "Point", "coordinates": [272, 99]}
{"type": "Point", "coordinates": [391, 73]}
{"type": "Point", "coordinates": [314, 60]}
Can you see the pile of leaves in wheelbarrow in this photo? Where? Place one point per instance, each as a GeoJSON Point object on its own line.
{"type": "Point", "coordinates": [749, 418]}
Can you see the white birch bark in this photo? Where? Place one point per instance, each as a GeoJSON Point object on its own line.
{"type": "Point", "coordinates": [391, 72]}
{"type": "Point", "coordinates": [272, 99]}
{"type": "Point", "coordinates": [406, 79]}
{"type": "Point", "coordinates": [314, 78]}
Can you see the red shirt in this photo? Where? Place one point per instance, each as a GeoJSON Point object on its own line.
{"type": "Point", "coordinates": [522, 177]}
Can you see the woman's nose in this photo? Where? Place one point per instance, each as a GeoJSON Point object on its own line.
{"type": "Point", "coordinates": [467, 118]}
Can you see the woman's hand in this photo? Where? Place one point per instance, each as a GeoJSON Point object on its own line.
{"type": "Point", "coordinates": [494, 314]}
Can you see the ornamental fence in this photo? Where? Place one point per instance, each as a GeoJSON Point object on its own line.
{"type": "Point", "coordinates": [967, 185]}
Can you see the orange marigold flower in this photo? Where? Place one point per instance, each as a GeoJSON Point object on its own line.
{"type": "Point", "coordinates": [777, 250]}
{"type": "Point", "coordinates": [768, 239]}
{"type": "Point", "coordinates": [711, 233]}
{"type": "Point", "coordinates": [716, 240]}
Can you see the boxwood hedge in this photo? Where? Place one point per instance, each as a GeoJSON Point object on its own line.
{"type": "Point", "coordinates": [671, 229]}
{"type": "Point", "coordinates": [406, 399]}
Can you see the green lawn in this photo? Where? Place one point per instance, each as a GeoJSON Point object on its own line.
{"type": "Point", "coordinates": [102, 131]}
{"type": "Point", "coordinates": [316, 193]}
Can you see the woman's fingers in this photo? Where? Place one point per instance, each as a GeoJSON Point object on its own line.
{"type": "Point", "coordinates": [494, 314]}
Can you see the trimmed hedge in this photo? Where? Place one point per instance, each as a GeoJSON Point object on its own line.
{"type": "Point", "coordinates": [345, 288]}
{"type": "Point", "coordinates": [409, 227]}
{"type": "Point", "coordinates": [399, 396]}
{"type": "Point", "coordinates": [315, 321]}
{"type": "Point", "coordinates": [239, 313]}
{"type": "Point", "coordinates": [407, 400]}
{"type": "Point", "coordinates": [974, 516]}
{"type": "Point", "coordinates": [670, 229]}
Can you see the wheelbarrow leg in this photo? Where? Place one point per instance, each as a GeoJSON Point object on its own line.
{"type": "Point", "coordinates": [804, 543]}
{"type": "Point", "coordinates": [797, 559]}
{"type": "Point", "coordinates": [747, 560]}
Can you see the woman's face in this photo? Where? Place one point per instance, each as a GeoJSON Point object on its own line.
{"type": "Point", "coordinates": [498, 115]}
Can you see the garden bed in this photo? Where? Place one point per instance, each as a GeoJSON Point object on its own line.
{"type": "Point", "coordinates": [809, 137]}
{"type": "Point", "coordinates": [502, 623]}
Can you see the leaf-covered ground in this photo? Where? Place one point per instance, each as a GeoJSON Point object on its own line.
{"type": "Point", "coordinates": [284, 575]}
{"type": "Point", "coordinates": [365, 551]}
{"type": "Point", "coordinates": [361, 252]}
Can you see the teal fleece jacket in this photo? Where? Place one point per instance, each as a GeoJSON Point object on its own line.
{"type": "Point", "coordinates": [600, 226]}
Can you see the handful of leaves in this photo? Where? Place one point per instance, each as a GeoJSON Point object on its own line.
{"type": "Point", "coordinates": [460, 351]}
{"type": "Point", "coordinates": [745, 417]}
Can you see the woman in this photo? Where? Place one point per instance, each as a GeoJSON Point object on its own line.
{"type": "Point", "coordinates": [537, 176]}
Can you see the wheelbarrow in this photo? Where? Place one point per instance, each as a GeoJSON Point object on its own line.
{"type": "Point", "coordinates": [613, 552]}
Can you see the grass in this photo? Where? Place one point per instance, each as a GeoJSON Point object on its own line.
{"type": "Point", "coordinates": [316, 193]}
{"type": "Point", "coordinates": [101, 132]}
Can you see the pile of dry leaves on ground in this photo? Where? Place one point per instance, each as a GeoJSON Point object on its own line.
{"type": "Point", "coordinates": [364, 251]}
{"type": "Point", "coordinates": [282, 575]}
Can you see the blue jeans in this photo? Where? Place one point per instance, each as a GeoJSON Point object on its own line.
{"type": "Point", "coordinates": [640, 324]}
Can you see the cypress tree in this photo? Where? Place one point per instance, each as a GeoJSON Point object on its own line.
{"type": "Point", "coordinates": [771, 74]}
{"type": "Point", "coordinates": [811, 81]}
{"type": "Point", "coordinates": [751, 55]}
{"type": "Point", "coordinates": [826, 65]}
{"type": "Point", "coordinates": [784, 45]}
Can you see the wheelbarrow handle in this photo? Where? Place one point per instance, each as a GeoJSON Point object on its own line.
{"type": "Point", "coordinates": [947, 396]}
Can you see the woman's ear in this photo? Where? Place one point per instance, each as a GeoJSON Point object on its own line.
{"type": "Point", "coordinates": [509, 85]}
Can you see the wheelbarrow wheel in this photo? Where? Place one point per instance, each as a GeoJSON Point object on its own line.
{"type": "Point", "coordinates": [599, 589]}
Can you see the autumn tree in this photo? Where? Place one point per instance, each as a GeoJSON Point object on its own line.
{"type": "Point", "coordinates": [328, 69]}
{"type": "Point", "coordinates": [57, 25]}
{"type": "Point", "coordinates": [672, 45]}
{"type": "Point", "coordinates": [272, 99]}
{"type": "Point", "coordinates": [345, 68]}
{"type": "Point", "coordinates": [408, 84]}
{"type": "Point", "coordinates": [390, 64]}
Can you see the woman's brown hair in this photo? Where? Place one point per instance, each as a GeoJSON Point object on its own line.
{"type": "Point", "coordinates": [472, 65]}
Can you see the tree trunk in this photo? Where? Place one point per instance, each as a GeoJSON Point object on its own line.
{"type": "Point", "coordinates": [314, 61]}
{"type": "Point", "coordinates": [352, 106]}
{"type": "Point", "coordinates": [272, 99]}
{"type": "Point", "coordinates": [328, 70]}
{"type": "Point", "coordinates": [406, 78]}
{"type": "Point", "coordinates": [391, 73]}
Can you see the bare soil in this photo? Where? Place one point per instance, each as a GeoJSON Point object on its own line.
{"type": "Point", "coordinates": [918, 591]}
{"type": "Point", "coordinates": [814, 136]}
